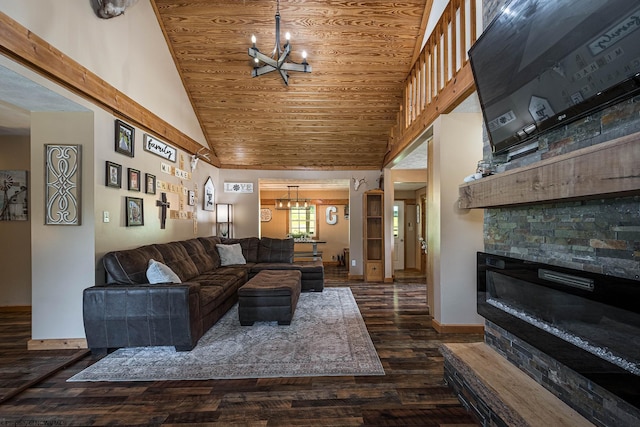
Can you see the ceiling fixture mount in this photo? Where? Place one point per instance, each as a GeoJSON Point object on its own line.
{"type": "Point", "coordinates": [279, 59]}
{"type": "Point", "coordinates": [286, 203]}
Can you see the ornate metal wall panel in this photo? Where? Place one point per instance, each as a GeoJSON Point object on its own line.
{"type": "Point", "coordinates": [63, 176]}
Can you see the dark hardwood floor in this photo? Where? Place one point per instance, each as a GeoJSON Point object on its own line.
{"type": "Point", "coordinates": [411, 393]}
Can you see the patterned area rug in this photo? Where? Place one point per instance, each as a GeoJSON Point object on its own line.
{"type": "Point", "coordinates": [327, 337]}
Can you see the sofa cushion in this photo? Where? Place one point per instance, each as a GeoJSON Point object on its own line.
{"type": "Point", "coordinates": [275, 250]}
{"type": "Point", "coordinates": [175, 256]}
{"type": "Point", "coordinates": [249, 247]}
{"type": "Point", "coordinates": [230, 254]}
{"type": "Point", "coordinates": [209, 245]}
{"type": "Point", "coordinates": [129, 267]}
{"type": "Point", "coordinates": [157, 272]}
{"type": "Point", "coordinates": [200, 257]}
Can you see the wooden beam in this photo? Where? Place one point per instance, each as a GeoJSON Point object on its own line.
{"type": "Point", "coordinates": [609, 169]}
{"type": "Point", "coordinates": [26, 48]}
{"type": "Point", "coordinates": [428, 7]}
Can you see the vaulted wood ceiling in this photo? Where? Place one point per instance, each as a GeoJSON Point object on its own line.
{"type": "Point", "coordinates": [337, 117]}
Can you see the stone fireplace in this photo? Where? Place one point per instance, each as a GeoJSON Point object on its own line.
{"type": "Point", "coordinates": [577, 333]}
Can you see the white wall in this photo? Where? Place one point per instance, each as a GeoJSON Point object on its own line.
{"type": "Point", "coordinates": [454, 235]}
{"type": "Point", "coordinates": [62, 256]}
{"type": "Point", "coordinates": [129, 52]}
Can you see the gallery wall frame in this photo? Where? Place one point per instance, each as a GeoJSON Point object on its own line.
{"type": "Point", "coordinates": [150, 183]}
{"type": "Point", "coordinates": [209, 203]}
{"type": "Point", "coordinates": [159, 148]}
{"type": "Point", "coordinates": [134, 211]}
{"type": "Point", "coordinates": [125, 138]}
{"type": "Point", "coordinates": [14, 195]}
{"type": "Point", "coordinates": [63, 184]}
{"type": "Point", "coordinates": [113, 174]}
{"type": "Point", "coordinates": [133, 179]}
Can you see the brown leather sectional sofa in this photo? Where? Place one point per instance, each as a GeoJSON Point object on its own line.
{"type": "Point", "coordinates": [130, 312]}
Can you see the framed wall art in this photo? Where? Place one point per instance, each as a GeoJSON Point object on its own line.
{"type": "Point", "coordinates": [125, 138]}
{"type": "Point", "coordinates": [265, 215]}
{"type": "Point", "coordinates": [134, 211]}
{"type": "Point", "coordinates": [133, 179]}
{"type": "Point", "coordinates": [209, 196]}
{"type": "Point", "coordinates": [62, 184]}
{"type": "Point", "coordinates": [113, 176]}
{"type": "Point", "coordinates": [13, 195]}
{"type": "Point", "coordinates": [150, 183]}
{"type": "Point", "coordinates": [159, 148]}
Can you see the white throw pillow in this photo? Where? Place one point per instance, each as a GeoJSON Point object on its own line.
{"type": "Point", "coordinates": [158, 272]}
{"type": "Point", "coordinates": [230, 254]}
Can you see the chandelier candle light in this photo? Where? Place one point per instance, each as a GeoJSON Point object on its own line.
{"type": "Point", "coordinates": [279, 60]}
{"type": "Point", "coordinates": [287, 203]}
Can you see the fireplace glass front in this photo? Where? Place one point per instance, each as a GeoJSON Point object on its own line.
{"type": "Point", "coordinates": [587, 321]}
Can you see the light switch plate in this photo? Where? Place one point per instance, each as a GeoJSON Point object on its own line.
{"type": "Point", "coordinates": [105, 216]}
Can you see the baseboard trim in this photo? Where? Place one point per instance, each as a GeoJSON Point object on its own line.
{"type": "Point", "coordinates": [16, 309]}
{"type": "Point", "coordinates": [457, 329]}
{"type": "Point", "coordinates": [57, 344]}
{"type": "Point", "coordinates": [388, 280]}
{"type": "Point", "coordinates": [355, 277]}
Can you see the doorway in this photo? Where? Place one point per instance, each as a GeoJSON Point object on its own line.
{"type": "Point", "coordinates": [398, 235]}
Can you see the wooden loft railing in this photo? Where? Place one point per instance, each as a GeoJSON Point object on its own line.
{"type": "Point", "coordinates": [441, 76]}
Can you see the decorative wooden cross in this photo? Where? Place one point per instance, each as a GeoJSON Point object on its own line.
{"type": "Point", "coordinates": [163, 206]}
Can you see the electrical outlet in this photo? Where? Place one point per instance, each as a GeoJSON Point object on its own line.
{"type": "Point", "coordinates": [105, 216]}
{"type": "Point", "coordinates": [353, 263]}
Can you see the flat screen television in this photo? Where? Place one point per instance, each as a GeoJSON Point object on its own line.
{"type": "Point", "coordinates": [544, 63]}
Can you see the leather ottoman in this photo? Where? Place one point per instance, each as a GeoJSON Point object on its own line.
{"type": "Point", "coordinates": [271, 295]}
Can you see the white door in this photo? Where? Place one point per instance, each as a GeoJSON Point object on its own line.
{"type": "Point", "coordinates": [398, 235]}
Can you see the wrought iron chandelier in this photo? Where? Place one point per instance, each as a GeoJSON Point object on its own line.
{"type": "Point", "coordinates": [279, 60]}
{"type": "Point", "coordinates": [286, 203]}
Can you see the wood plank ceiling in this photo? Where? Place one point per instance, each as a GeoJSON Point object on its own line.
{"type": "Point", "coordinates": [336, 118]}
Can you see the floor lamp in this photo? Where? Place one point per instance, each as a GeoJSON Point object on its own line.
{"type": "Point", "coordinates": [224, 220]}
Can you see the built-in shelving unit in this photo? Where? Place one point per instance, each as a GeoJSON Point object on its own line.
{"type": "Point", "coordinates": [373, 236]}
{"type": "Point", "coordinates": [609, 169]}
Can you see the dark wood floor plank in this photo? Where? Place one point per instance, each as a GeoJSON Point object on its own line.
{"type": "Point", "coordinates": [412, 392]}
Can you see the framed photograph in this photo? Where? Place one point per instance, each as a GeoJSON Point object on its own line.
{"type": "Point", "coordinates": [150, 183]}
{"type": "Point", "coordinates": [14, 196]}
{"type": "Point", "coordinates": [113, 176]}
{"type": "Point", "coordinates": [63, 173]}
{"type": "Point", "coordinates": [134, 211]}
{"type": "Point", "coordinates": [134, 179]}
{"type": "Point", "coordinates": [125, 138]}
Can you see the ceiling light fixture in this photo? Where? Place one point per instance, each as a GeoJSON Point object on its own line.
{"type": "Point", "coordinates": [279, 60]}
{"type": "Point", "coordinates": [286, 203]}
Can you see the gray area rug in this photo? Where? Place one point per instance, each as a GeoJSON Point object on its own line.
{"type": "Point", "coordinates": [327, 337]}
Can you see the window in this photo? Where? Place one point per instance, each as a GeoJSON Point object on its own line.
{"type": "Point", "coordinates": [302, 222]}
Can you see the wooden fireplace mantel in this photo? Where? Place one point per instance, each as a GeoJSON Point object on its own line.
{"type": "Point", "coordinates": [609, 169]}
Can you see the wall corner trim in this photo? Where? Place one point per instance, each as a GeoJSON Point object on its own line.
{"type": "Point", "coordinates": [57, 344]}
{"type": "Point", "coordinates": [457, 329]}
